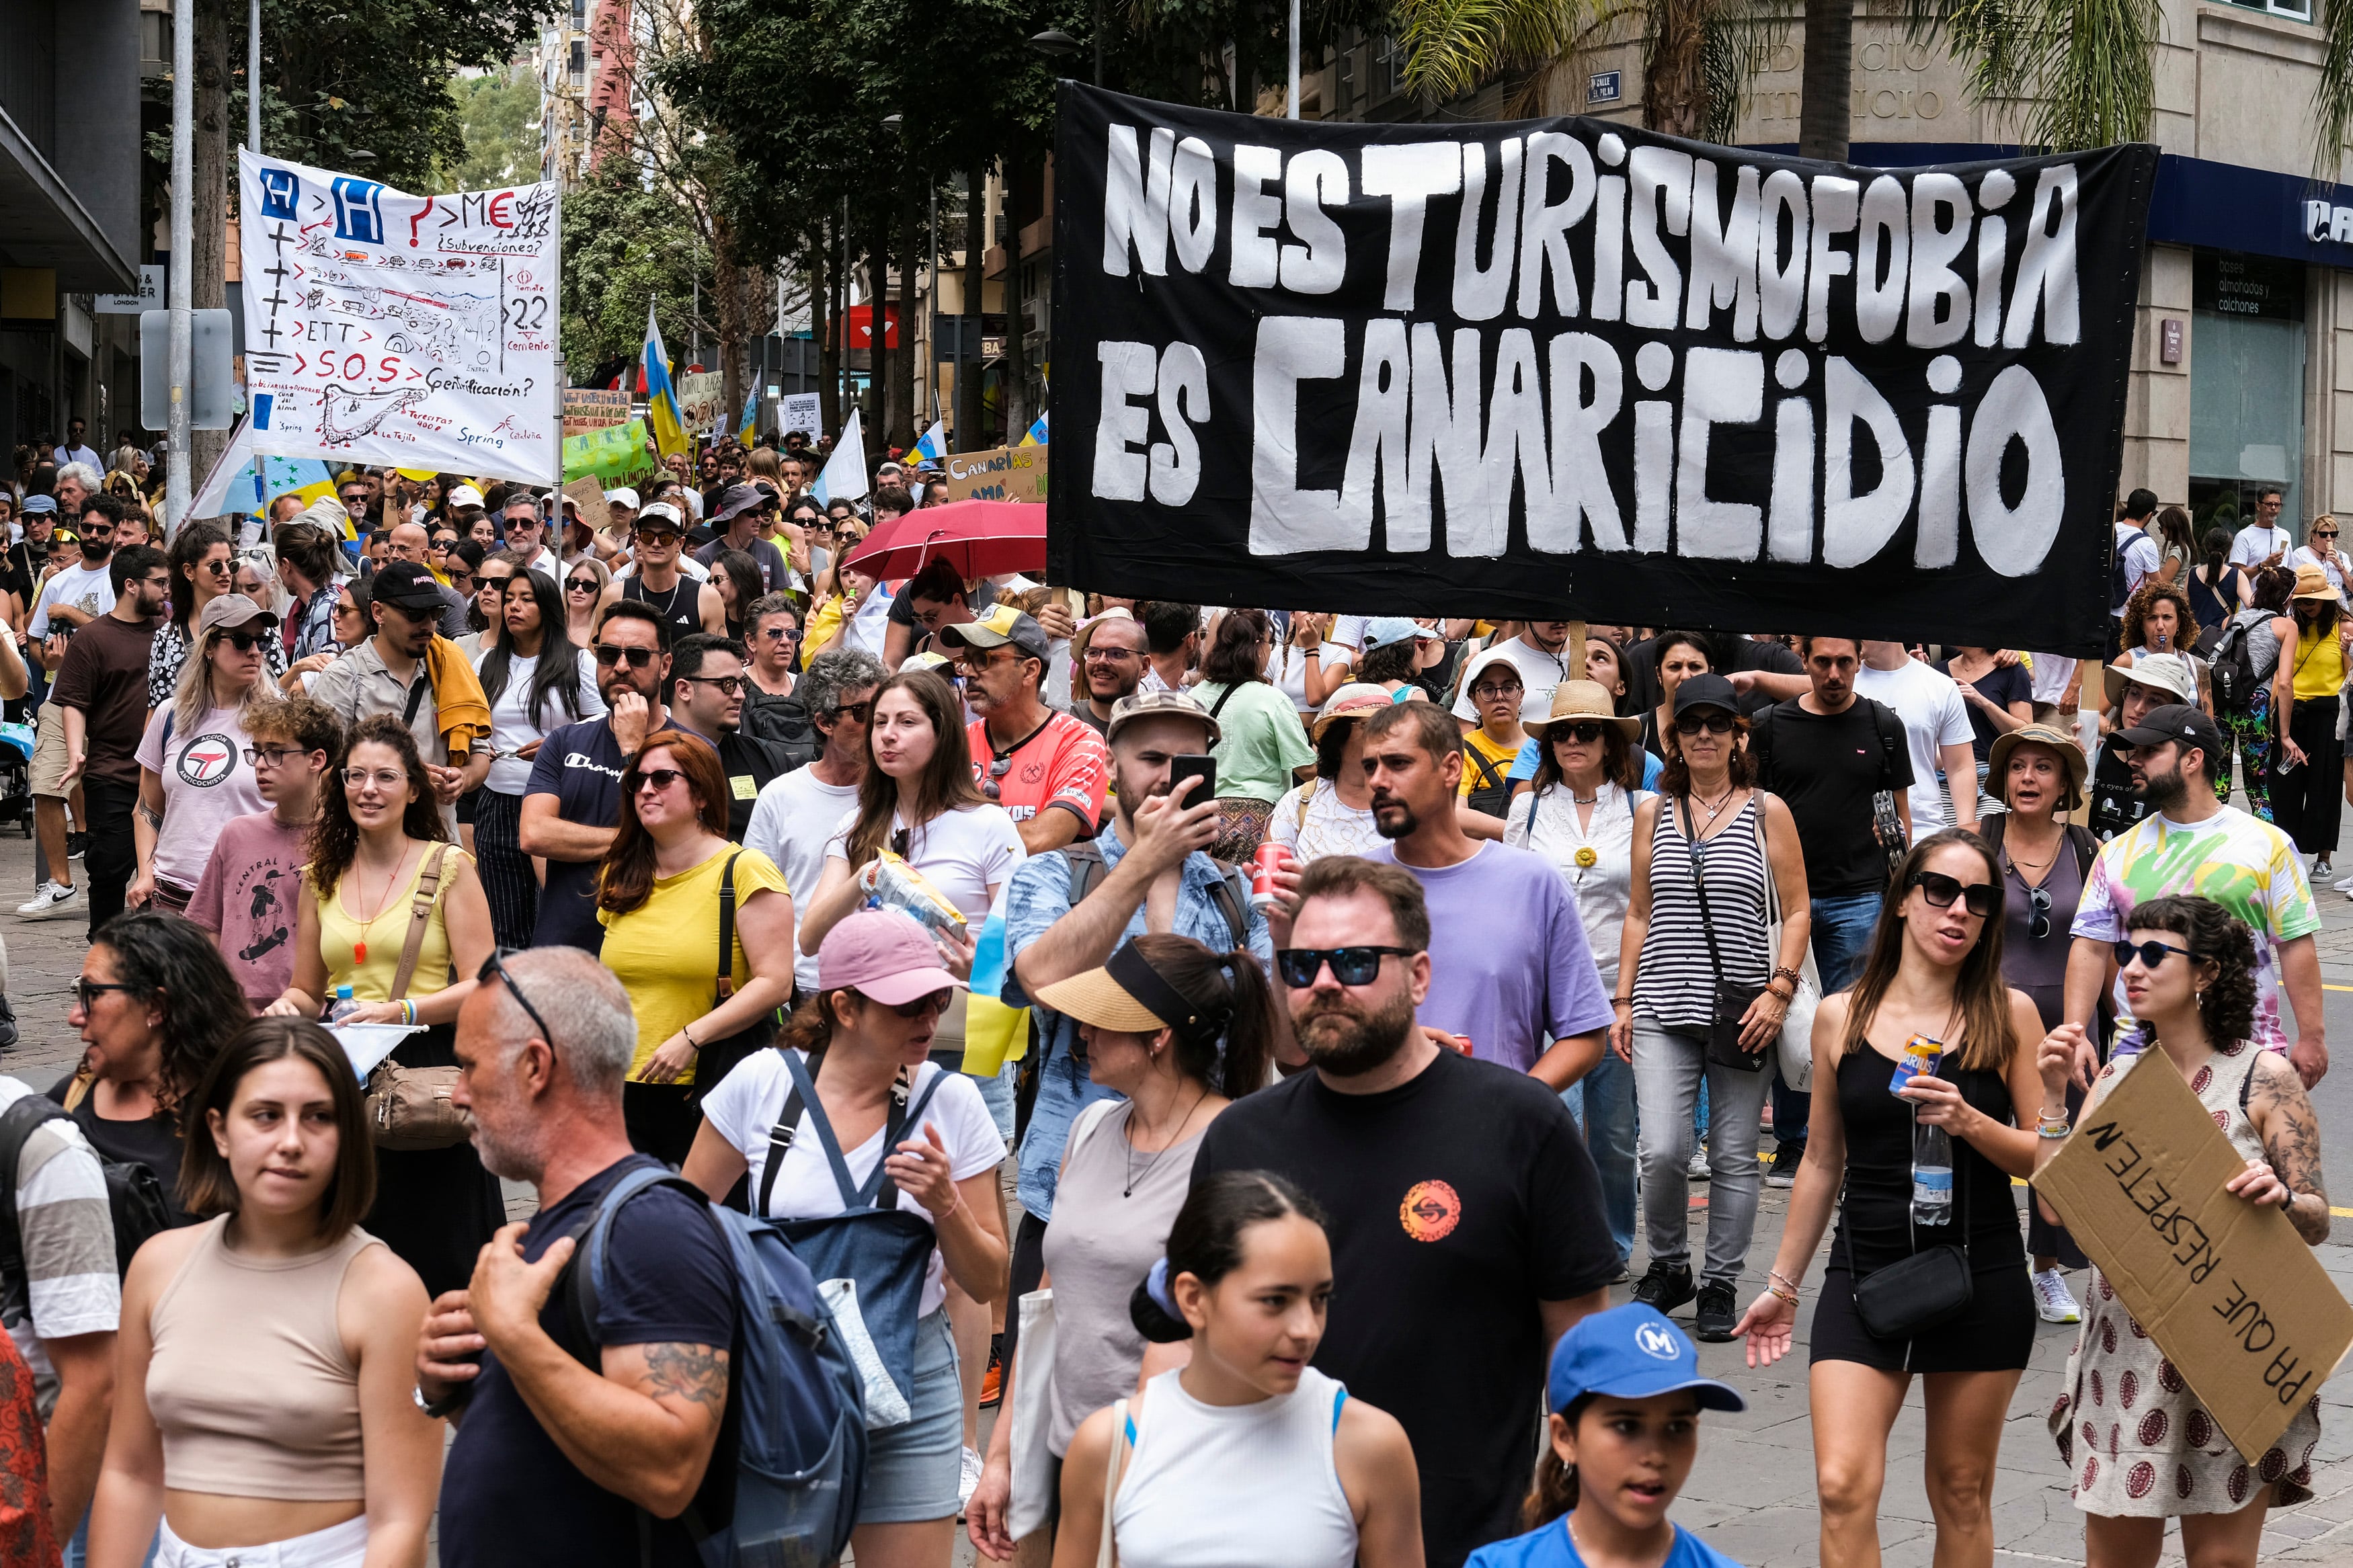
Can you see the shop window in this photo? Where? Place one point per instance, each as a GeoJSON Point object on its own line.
{"type": "Point", "coordinates": [2246, 386]}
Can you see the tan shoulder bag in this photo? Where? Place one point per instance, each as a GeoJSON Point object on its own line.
{"type": "Point", "coordinates": [410, 1108]}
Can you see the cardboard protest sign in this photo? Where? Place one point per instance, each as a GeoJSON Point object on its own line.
{"type": "Point", "coordinates": [588, 495]}
{"type": "Point", "coordinates": [2229, 1291]}
{"type": "Point", "coordinates": [1000, 473]}
{"type": "Point", "coordinates": [1568, 368]}
{"type": "Point", "coordinates": [386, 328]}
{"type": "Point", "coordinates": [590, 409]}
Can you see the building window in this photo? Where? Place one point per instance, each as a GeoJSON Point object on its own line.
{"type": "Point", "coordinates": [2246, 386]}
{"type": "Point", "coordinates": [579, 58]}
{"type": "Point", "coordinates": [2299, 10]}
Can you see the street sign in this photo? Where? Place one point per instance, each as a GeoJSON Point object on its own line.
{"type": "Point", "coordinates": [212, 391]}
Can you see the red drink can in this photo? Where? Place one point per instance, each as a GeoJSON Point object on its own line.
{"type": "Point", "coordinates": [1271, 856]}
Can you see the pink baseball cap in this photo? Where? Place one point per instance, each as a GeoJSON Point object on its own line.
{"type": "Point", "coordinates": [883, 954]}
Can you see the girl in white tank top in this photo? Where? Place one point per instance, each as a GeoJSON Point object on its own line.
{"type": "Point", "coordinates": [1246, 1455]}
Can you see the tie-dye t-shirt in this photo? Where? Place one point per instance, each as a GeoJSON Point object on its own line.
{"type": "Point", "coordinates": [2248, 867]}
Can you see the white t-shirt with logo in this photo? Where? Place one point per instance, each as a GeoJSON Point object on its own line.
{"type": "Point", "coordinates": [747, 1104]}
{"type": "Point", "coordinates": [962, 854]}
{"type": "Point", "coordinates": [81, 587]}
{"type": "Point", "coordinates": [208, 784]}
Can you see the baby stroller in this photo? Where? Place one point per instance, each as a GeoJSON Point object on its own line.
{"type": "Point", "coordinates": [17, 776]}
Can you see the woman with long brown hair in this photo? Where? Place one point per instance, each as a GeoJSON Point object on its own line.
{"type": "Point", "coordinates": [1930, 1036]}
{"type": "Point", "coordinates": [1260, 747]}
{"type": "Point", "coordinates": [661, 895]}
{"type": "Point", "coordinates": [383, 878]}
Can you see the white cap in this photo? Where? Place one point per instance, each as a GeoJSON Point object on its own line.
{"type": "Point", "coordinates": [622, 497]}
{"type": "Point", "coordinates": [465, 495]}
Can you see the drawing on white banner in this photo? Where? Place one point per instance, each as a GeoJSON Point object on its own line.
{"type": "Point", "coordinates": [416, 331]}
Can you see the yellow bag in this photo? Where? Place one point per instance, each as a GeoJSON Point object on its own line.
{"type": "Point", "coordinates": [994, 1034]}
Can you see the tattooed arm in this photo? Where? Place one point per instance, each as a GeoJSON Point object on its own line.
{"type": "Point", "coordinates": [2283, 1117]}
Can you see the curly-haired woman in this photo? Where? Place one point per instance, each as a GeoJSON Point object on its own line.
{"type": "Point", "coordinates": [2143, 1447]}
{"type": "Point", "coordinates": [2157, 619]}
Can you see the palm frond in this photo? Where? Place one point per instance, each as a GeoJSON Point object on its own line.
{"type": "Point", "coordinates": [1454, 46]}
{"type": "Point", "coordinates": [2332, 95]}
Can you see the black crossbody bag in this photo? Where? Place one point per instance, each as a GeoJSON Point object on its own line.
{"type": "Point", "coordinates": [1918, 1292]}
{"type": "Point", "coordinates": [1733, 999]}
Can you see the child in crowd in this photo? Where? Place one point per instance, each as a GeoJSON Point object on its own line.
{"type": "Point", "coordinates": [1626, 1394]}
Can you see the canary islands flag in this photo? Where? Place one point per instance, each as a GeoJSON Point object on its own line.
{"type": "Point", "coordinates": [661, 399]}
{"type": "Point", "coordinates": [935, 443]}
{"type": "Point", "coordinates": [751, 420]}
{"type": "Point", "coordinates": [1037, 436]}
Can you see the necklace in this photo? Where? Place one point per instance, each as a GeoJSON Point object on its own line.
{"type": "Point", "coordinates": [1715, 811]}
{"type": "Point", "coordinates": [1133, 1174]}
{"type": "Point", "coordinates": [669, 604]}
{"type": "Point", "coordinates": [359, 948]}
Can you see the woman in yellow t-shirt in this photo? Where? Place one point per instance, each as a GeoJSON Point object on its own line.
{"type": "Point", "coordinates": [2306, 788]}
{"type": "Point", "coordinates": [378, 836]}
{"type": "Point", "coordinates": [659, 898]}
{"type": "Point", "coordinates": [1494, 685]}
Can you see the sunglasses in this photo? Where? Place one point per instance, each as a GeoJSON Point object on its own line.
{"type": "Point", "coordinates": [1585, 731]}
{"type": "Point", "coordinates": [780, 634]}
{"type": "Point", "coordinates": [241, 639]}
{"type": "Point", "coordinates": [856, 712]}
{"type": "Point", "coordinates": [2150, 954]}
{"type": "Point", "coordinates": [1982, 899]}
{"type": "Point", "coordinates": [1299, 967]}
{"type": "Point", "coordinates": [581, 585]}
{"type": "Point", "coordinates": [729, 684]}
{"type": "Point", "coordinates": [494, 968]}
{"type": "Point", "coordinates": [657, 536]}
{"type": "Point", "coordinates": [218, 568]}
{"type": "Point", "coordinates": [936, 1002]}
{"type": "Point", "coordinates": [658, 779]}
{"type": "Point", "coordinates": [87, 992]}
{"type": "Point", "coordinates": [2038, 925]}
{"type": "Point", "coordinates": [638, 657]}
{"type": "Point", "coordinates": [1715, 722]}
{"type": "Point", "coordinates": [2323, 533]}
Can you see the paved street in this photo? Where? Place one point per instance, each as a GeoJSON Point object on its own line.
{"type": "Point", "coordinates": [1752, 1493]}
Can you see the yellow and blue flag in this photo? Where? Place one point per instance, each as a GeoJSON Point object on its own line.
{"type": "Point", "coordinates": [751, 420]}
{"type": "Point", "coordinates": [934, 445]}
{"type": "Point", "coordinates": [661, 398]}
{"type": "Point", "coordinates": [1037, 436]}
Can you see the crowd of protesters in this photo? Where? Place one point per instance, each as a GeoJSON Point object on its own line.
{"type": "Point", "coordinates": [1342, 1002]}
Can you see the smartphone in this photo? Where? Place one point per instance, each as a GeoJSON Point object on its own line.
{"type": "Point", "coordinates": [1194, 765]}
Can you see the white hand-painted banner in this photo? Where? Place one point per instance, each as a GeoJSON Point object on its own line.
{"type": "Point", "coordinates": [385, 327]}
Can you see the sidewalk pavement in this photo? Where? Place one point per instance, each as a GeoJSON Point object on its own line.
{"type": "Point", "coordinates": [1751, 1495]}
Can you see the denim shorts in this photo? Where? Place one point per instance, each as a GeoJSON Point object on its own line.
{"type": "Point", "coordinates": [915, 1471]}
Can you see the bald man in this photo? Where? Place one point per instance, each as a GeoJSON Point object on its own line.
{"type": "Point", "coordinates": [407, 542]}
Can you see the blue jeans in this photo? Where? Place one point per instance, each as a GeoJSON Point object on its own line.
{"type": "Point", "coordinates": [1603, 1103]}
{"type": "Point", "coordinates": [1843, 929]}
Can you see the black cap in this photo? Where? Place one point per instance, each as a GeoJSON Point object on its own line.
{"type": "Point", "coordinates": [1705, 691]}
{"type": "Point", "coordinates": [407, 585]}
{"type": "Point", "coordinates": [2175, 722]}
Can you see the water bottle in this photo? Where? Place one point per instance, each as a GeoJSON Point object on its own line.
{"type": "Point", "coordinates": [343, 1007]}
{"type": "Point", "coordinates": [1932, 1173]}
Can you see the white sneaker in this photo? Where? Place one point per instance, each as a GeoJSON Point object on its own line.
{"type": "Point", "coordinates": [965, 1487]}
{"type": "Point", "coordinates": [2052, 1301]}
{"type": "Point", "coordinates": [54, 899]}
{"type": "Point", "coordinates": [2345, 884]}
{"type": "Point", "coordinates": [1699, 1171]}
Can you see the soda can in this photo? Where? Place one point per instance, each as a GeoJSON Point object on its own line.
{"type": "Point", "coordinates": [1271, 858]}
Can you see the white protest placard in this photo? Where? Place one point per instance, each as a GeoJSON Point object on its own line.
{"type": "Point", "coordinates": [801, 411]}
{"type": "Point", "coordinates": [385, 327]}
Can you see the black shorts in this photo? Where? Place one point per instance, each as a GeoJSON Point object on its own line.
{"type": "Point", "coordinates": [1996, 1333]}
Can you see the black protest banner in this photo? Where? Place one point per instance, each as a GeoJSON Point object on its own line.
{"type": "Point", "coordinates": [1563, 368]}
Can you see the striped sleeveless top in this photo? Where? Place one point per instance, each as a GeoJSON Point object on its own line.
{"type": "Point", "coordinates": [1675, 984]}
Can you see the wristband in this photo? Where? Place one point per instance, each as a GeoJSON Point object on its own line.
{"type": "Point", "coordinates": [684, 1034]}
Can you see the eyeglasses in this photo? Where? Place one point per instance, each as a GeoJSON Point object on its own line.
{"type": "Point", "coordinates": [856, 712]}
{"type": "Point", "coordinates": [2150, 954]}
{"type": "Point", "coordinates": [2038, 925]}
{"type": "Point", "coordinates": [240, 639]}
{"type": "Point", "coordinates": [1111, 655]}
{"type": "Point", "coordinates": [977, 660]}
{"type": "Point", "coordinates": [1487, 692]}
{"type": "Point", "coordinates": [494, 967]}
{"type": "Point", "coordinates": [86, 992]}
{"type": "Point", "coordinates": [728, 684]}
{"type": "Point", "coordinates": [1299, 967]}
{"type": "Point", "coordinates": [1715, 722]}
{"type": "Point", "coordinates": [638, 657]}
{"type": "Point", "coordinates": [383, 778]}
{"type": "Point", "coordinates": [273, 755]}
{"type": "Point", "coordinates": [1982, 899]}
{"type": "Point", "coordinates": [581, 585]}
{"type": "Point", "coordinates": [1585, 731]}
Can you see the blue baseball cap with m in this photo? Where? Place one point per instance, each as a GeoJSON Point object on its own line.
{"type": "Point", "coordinates": [1631, 1351]}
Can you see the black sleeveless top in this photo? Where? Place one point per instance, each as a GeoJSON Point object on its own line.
{"type": "Point", "coordinates": [1878, 1207]}
{"type": "Point", "coordinates": [681, 605]}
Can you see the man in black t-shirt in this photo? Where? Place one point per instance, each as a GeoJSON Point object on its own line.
{"type": "Point", "coordinates": [1827, 753]}
{"type": "Point", "coordinates": [644, 1421]}
{"type": "Point", "coordinates": [705, 689]}
{"type": "Point", "coordinates": [1464, 1214]}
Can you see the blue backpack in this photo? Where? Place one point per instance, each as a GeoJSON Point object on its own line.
{"type": "Point", "coordinates": [783, 1486]}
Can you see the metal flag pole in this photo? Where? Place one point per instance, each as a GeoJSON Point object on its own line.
{"type": "Point", "coordinates": [253, 78]}
{"type": "Point", "coordinates": [181, 350]}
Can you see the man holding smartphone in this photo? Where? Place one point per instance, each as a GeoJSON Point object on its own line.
{"type": "Point", "coordinates": [1046, 768]}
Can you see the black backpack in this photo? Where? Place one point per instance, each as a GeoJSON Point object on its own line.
{"type": "Point", "coordinates": [2232, 668]}
{"type": "Point", "coordinates": [134, 1198]}
{"type": "Point", "coordinates": [783, 723]}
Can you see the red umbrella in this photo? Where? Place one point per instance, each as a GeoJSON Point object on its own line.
{"type": "Point", "coordinates": [983, 538]}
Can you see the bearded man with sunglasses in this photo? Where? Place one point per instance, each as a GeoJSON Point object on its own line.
{"type": "Point", "coordinates": [572, 804]}
{"type": "Point", "coordinates": [1045, 767]}
{"type": "Point", "coordinates": [707, 686]}
{"type": "Point", "coordinates": [2190, 843]}
{"type": "Point", "coordinates": [1463, 1211]}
